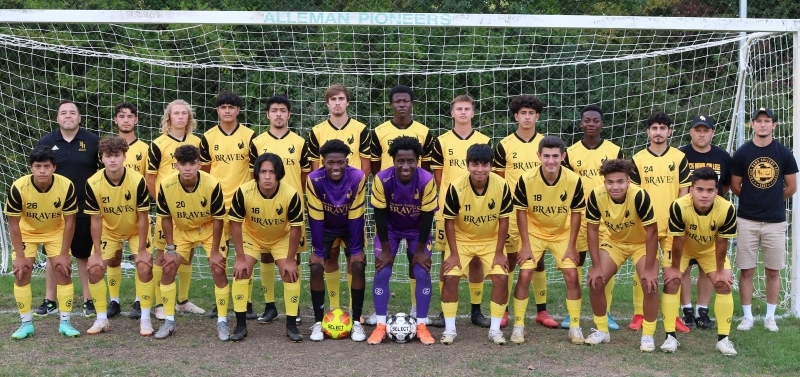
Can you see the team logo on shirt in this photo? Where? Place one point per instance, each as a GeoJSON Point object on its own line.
{"type": "Point", "coordinates": [241, 144]}
{"type": "Point", "coordinates": [128, 195]}
{"type": "Point", "coordinates": [416, 195]}
{"type": "Point", "coordinates": [763, 172]}
{"type": "Point", "coordinates": [292, 149]}
{"type": "Point", "coordinates": [139, 156]}
{"type": "Point", "coordinates": [351, 139]}
{"type": "Point", "coordinates": [713, 225]}
{"type": "Point", "coordinates": [491, 204]}
{"type": "Point", "coordinates": [563, 196]}
{"type": "Point", "coordinates": [672, 166]}
{"type": "Point", "coordinates": [204, 202]}
{"type": "Point", "coordinates": [279, 210]}
{"type": "Point", "coordinates": [81, 146]}
{"type": "Point", "coordinates": [57, 204]}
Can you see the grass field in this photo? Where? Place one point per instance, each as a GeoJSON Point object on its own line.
{"type": "Point", "coordinates": [194, 350]}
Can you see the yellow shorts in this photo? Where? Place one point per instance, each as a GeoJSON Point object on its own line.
{"type": "Point", "coordinates": [441, 239]}
{"type": "Point", "coordinates": [557, 250]}
{"type": "Point", "coordinates": [467, 252]}
{"type": "Point", "coordinates": [707, 260]}
{"type": "Point", "coordinates": [582, 242]}
{"type": "Point", "coordinates": [513, 242]}
{"type": "Point", "coordinates": [187, 240]}
{"type": "Point", "coordinates": [52, 246]}
{"type": "Point", "coordinates": [159, 241]}
{"type": "Point", "coordinates": [254, 247]}
{"type": "Point", "coordinates": [619, 252]}
{"type": "Point", "coordinates": [111, 243]}
{"type": "Point", "coordinates": [665, 243]}
{"type": "Point", "coordinates": [337, 243]}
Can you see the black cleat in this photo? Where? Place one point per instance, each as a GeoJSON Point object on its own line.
{"type": "Point", "coordinates": [688, 317]}
{"type": "Point", "coordinates": [47, 307]}
{"type": "Point", "coordinates": [270, 313]}
{"type": "Point", "coordinates": [239, 333]}
{"type": "Point", "coordinates": [478, 319]}
{"type": "Point", "coordinates": [703, 321]}
{"type": "Point", "coordinates": [136, 311]}
{"type": "Point", "coordinates": [250, 313]}
{"type": "Point", "coordinates": [212, 313]}
{"type": "Point", "coordinates": [293, 334]}
{"type": "Point", "coordinates": [88, 309]}
{"type": "Point", "coordinates": [113, 309]}
{"type": "Point", "coordinates": [438, 321]}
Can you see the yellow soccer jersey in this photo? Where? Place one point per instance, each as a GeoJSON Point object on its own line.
{"type": "Point", "coordinates": [702, 230]}
{"type": "Point", "coordinates": [228, 156]}
{"type": "Point", "coordinates": [117, 205]}
{"type": "Point", "coordinates": [625, 221]}
{"type": "Point", "coordinates": [549, 207]}
{"type": "Point", "coordinates": [42, 212]}
{"type": "Point", "coordinates": [136, 157]}
{"type": "Point", "coordinates": [383, 135]}
{"type": "Point", "coordinates": [586, 162]}
{"type": "Point", "coordinates": [190, 209]}
{"type": "Point", "coordinates": [662, 176]}
{"type": "Point", "coordinates": [450, 156]}
{"type": "Point", "coordinates": [354, 133]}
{"type": "Point", "coordinates": [514, 156]}
{"type": "Point", "coordinates": [477, 217]}
{"type": "Point", "coordinates": [292, 148]}
{"type": "Point", "coordinates": [266, 218]}
{"type": "Point", "coordinates": [160, 160]}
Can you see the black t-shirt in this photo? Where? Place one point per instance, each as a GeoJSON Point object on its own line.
{"type": "Point", "coordinates": [77, 160]}
{"type": "Point", "coordinates": [762, 170]}
{"type": "Point", "coordinates": [717, 159]}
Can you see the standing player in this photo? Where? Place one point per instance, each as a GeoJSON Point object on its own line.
{"type": "Point", "coordinates": [355, 134]}
{"type": "Point", "coordinates": [548, 202]}
{"type": "Point", "coordinates": [585, 158]}
{"type": "Point", "coordinates": [664, 172]}
{"type": "Point", "coordinates": [191, 208]}
{"type": "Point", "coordinates": [512, 158]}
{"type": "Point", "coordinates": [632, 233]}
{"type": "Point", "coordinates": [293, 149]}
{"type": "Point", "coordinates": [126, 118]}
{"type": "Point", "coordinates": [266, 217]}
{"type": "Point", "coordinates": [336, 201]}
{"type": "Point", "coordinates": [117, 201]}
{"type": "Point", "coordinates": [763, 176]}
{"type": "Point", "coordinates": [449, 162]}
{"type": "Point", "coordinates": [702, 223]}
{"type": "Point", "coordinates": [177, 125]}
{"type": "Point", "coordinates": [41, 209]}
{"type": "Point", "coordinates": [701, 153]}
{"type": "Point", "coordinates": [404, 200]}
{"type": "Point", "coordinates": [476, 214]}
{"type": "Point", "coordinates": [224, 154]}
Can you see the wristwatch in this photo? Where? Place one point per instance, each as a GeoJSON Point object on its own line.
{"type": "Point", "coordinates": [170, 249]}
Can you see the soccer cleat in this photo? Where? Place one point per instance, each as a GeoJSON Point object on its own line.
{"type": "Point", "coordinates": [212, 313]}
{"type": "Point", "coordinates": [65, 328]}
{"type": "Point", "coordinates": [545, 320]}
{"type": "Point", "coordinates": [424, 335]}
{"type": "Point", "coordinates": [24, 331]}
{"type": "Point", "coordinates": [270, 313]}
{"type": "Point", "coordinates": [670, 345]}
{"type": "Point", "coordinates": [725, 346]}
{"type": "Point", "coordinates": [316, 332]}
{"type": "Point", "coordinates": [478, 319]}
{"type": "Point", "coordinates": [636, 322]}
{"type": "Point", "coordinates": [448, 337]}
{"type": "Point", "coordinates": [597, 337]}
{"type": "Point", "coordinates": [47, 307]}
{"type": "Point", "coordinates": [293, 334]}
{"type": "Point", "coordinates": [100, 325]}
{"type": "Point", "coordinates": [518, 334]}
{"type": "Point", "coordinates": [239, 333]}
{"type": "Point", "coordinates": [690, 321]}
{"type": "Point", "coordinates": [413, 312]}
{"type": "Point", "coordinates": [378, 335]}
{"type": "Point", "coordinates": [705, 323]}
{"type": "Point", "coordinates": [159, 313]}
{"type": "Point", "coordinates": [357, 333]}
{"type": "Point", "coordinates": [145, 327]}
{"type": "Point", "coordinates": [438, 321]}
{"type": "Point", "coordinates": [504, 320]}
{"type": "Point", "coordinates": [136, 310]}
{"type": "Point", "coordinates": [88, 309]}
{"type": "Point", "coordinates": [165, 330]}
{"type": "Point", "coordinates": [372, 320]}
{"type": "Point", "coordinates": [113, 309]}
{"type": "Point", "coordinates": [746, 324]}
{"type": "Point", "coordinates": [189, 307]}
{"type": "Point", "coordinates": [612, 325]}
{"type": "Point", "coordinates": [565, 322]}
{"type": "Point", "coordinates": [769, 324]}
{"type": "Point", "coordinates": [250, 313]}
{"type": "Point", "coordinates": [680, 326]}
{"type": "Point", "coordinates": [223, 331]}
{"type": "Point", "coordinates": [497, 337]}
{"type": "Point", "coordinates": [647, 344]}
{"type": "Point", "coordinates": [576, 335]}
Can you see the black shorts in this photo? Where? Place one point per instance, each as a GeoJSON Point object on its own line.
{"type": "Point", "coordinates": [81, 246]}
{"type": "Point", "coordinates": [328, 239]}
{"type": "Point", "coordinates": [693, 261]}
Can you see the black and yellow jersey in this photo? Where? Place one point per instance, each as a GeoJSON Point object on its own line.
{"type": "Point", "coordinates": [586, 161]}
{"type": "Point", "coordinates": [160, 156]}
{"type": "Point", "coordinates": [701, 230]}
{"type": "Point", "coordinates": [382, 136]}
{"type": "Point", "coordinates": [228, 156]}
{"type": "Point", "coordinates": [549, 207]}
{"type": "Point", "coordinates": [662, 176]}
{"type": "Point", "coordinates": [266, 218]}
{"type": "Point", "coordinates": [625, 221]}
{"type": "Point", "coordinates": [190, 209]}
{"type": "Point", "coordinates": [136, 157]}
{"type": "Point", "coordinates": [41, 212]}
{"type": "Point", "coordinates": [514, 156]}
{"type": "Point", "coordinates": [477, 217]}
{"type": "Point", "coordinates": [291, 148]}
{"type": "Point", "coordinates": [354, 133]}
{"type": "Point", "coordinates": [118, 205]}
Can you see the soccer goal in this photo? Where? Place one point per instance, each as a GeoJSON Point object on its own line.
{"type": "Point", "coordinates": [630, 66]}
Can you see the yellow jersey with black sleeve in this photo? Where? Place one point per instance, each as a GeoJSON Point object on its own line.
{"type": "Point", "coordinates": [354, 133]}
{"type": "Point", "coordinates": [549, 206]}
{"type": "Point", "coordinates": [160, 156]}
{"type": "Point", "coordinates": [190, 209]}
{"type": "Point", "coordinates": [136, 157]}
{"type": "Point", "coordinates": [514, 156]}
{"type": "Point", "coordinates": [477, 216]}
{"type": "Point", "coordinates": [266, 218]}
{"type": "Point", "coordinates": [229, 157]}
{"type": "Point", "coordinates": [662, 176]}
{"type": "Point", "coordinates": [291, 148]}
{"type": "Point", "coordinates": [624, 221]}
{"type": "Point", "coordinates": [382, 137]}
{"type": "Point", "coordinates": [702, 230]}
{"type": "Point", "coordinates": [118, 205]}
{"type": "Point", "coordinates": [41, 213]}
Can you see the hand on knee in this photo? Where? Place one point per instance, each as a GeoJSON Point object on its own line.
{"type": "Point", "coordinates": [721, 288]}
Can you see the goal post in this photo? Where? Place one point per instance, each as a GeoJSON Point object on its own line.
{"type": "Point", "coordinates": [630, 66]}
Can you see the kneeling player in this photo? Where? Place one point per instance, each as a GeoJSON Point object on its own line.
{"type": "Point", "coordinates": [477, 207]}
{"type": "Point", "coordinates": [549, 201]}
{"type": "Point", "coordinates": [117, 200]}
{"type": "Point", "coordinates": [41, 210]}
{"type": "Point", "coordinates": [404, 200]}
{"type": "Point", "coordinates": [266, 217]}
{"type": "Point", "coordinates": [336, 201]}
{"type": "Point", "coordinates": [701, 223]}
{"type": "Point", "coordinates": [632, 233]}
{"type": "Point", "coordinates": [191, 201]}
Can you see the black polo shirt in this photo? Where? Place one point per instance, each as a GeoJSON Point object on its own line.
{"type": "Point", "coordinates": [77, 160]}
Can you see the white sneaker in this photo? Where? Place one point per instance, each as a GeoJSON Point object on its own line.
{"type": "Point", "coordinates": [413, 312]}
{"type": "Point", "coordinates": [189, 307]}
{"type": "Point", "coordinates": [372, 320]}
{"type": "Point", "coordinates": [518, 334]}
{"type": "Point", "coordinates": [497, 337]}
{"type": "Point", "coordinates": [725, 346]}
{"type": "Point", "coordinates": [648, 344]}
{"type": "Point", "coordinates": [145, 327]}
{"type": "Point", "coordinates": [670, 345]}
{"type": "Point", "coordinates": [357, 334]}
{"type": "Point", "coordinates": [746, 324]}
{"type": "Point", "coordinates": [597, 337]}
{"type": "Point", "coordinates": [576, 335]}
{"type": "Point", "coordinates": [159, 313]}
{"type": "Point", "coordinates": [102, 325]}
{"type": "Point", "coordinates": [316, 332]}
{"type": "Point", "coordinates": [769, 324]}
{"type": "Point", "coordinates": [448, 337]}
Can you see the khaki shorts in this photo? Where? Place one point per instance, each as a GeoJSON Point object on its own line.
{"type": "Point", "coordinates": [557, 249]}
{"type": "Point", "coordinates": [771, 236]}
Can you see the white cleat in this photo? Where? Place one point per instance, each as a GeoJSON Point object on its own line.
{"type": "Point", "coordinates": [670, 345]}
{"type": "Point", "coordinates": [725, 346]}
{"type": "Point", "coordinates": [145, 327]}
{"type": "Point", "coordinates": [746, 324]}
{"type": "Point", "coordinates": [648, 344]}
{"type": "Point", "coordinates": [518, 334]}
{"type": "Point", "coordinates": [159, 313]}
{"type": "Point", "coordinates": [358, 334]}
{"type": "Point", "coordinates": [372, 320]}
{"type": "Point", "coordinates": [413, 312]}
{"type": "Point", "coordinates": [189, 307]}
{"type": "Point", "coordinates": [597, 337]}
{"type": "Point", "coordinates": [100, 325]}
{"type": "Point", "coordinates": [448, 337]}
{"type": "Point", "coordinates": [576, 335]}
{"type": "Point", "coordinates": [497, 337]}
{"type": "Point", "coordinates": [316, 332]}
{"type": "Point", "coordinates": [769, 324]}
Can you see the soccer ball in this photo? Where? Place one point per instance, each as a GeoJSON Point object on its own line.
{"type": "Point", "coordinates": [337, 324]}
{"type": "Point", "coordinates": [402, 328]}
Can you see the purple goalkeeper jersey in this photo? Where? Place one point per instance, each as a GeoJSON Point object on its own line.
{"type": "Point", "coordinates": [336, 209]}
{"type": "Point", "coordinates": [404, 201]}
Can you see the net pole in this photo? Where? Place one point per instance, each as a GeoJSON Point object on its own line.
{"type": "Point", "coordinates": [795, 268]}
{"type": "Point", "coordinates": [4, 244]}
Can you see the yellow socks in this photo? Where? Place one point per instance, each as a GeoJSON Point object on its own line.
{"type": "Point", "coordinates": [496, 310]}
{"type": "Point", "coordinates": [332, 280]}
{"type": "Point", "coordinates": [601, 323]}
{"type": "Point", "coordinates": [23, 296]}
{"type": "Point", "coordinates": [649, 328]}
{"type": "Point", "coordinates": [475, 293]}
{"type": "Point", "coordinates": [185, 280]}
{"type": "Point", "coordinates": [157, 273]}
{"type": "Point", "coordinates": [520, 306]}
{"type": "Point", "coordinates": [413, 285]}
{"type": "Point", "coordinates": [539, 283]}
{"type": "Point", "coordinates": [574, 310]}
{"type": "Point", "coordinates": [222, 294]}
{"type": "Point", "coordinates": [145, 293]}
{"type": "Point", "coordinates": [168, 298]}
{"type": "Point", "coordinates": [669, 306]}
{"type": "Point", "coordinates": [99, 291]}
{"type": "Point", "coordinates": [723, 308]}
{"type": "Point", "coordinates": [638, 295]}
{"type": "Point", "coordinates": [610, 291]}
{"type": "Point", "coordinates": [114, 278]}
{"type": "Point", "coordinates": [239, 293]}
{"type": "Point", "coordinates": [449, 309]}
{"type": "Point", "coordinates": [291, 297]}
{"type": "Point", "coordinates": [268, 281]}
{"type": "Point", "coordinates": [65, 294]}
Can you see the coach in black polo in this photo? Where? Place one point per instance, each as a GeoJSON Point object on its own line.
{"type": "Point", "coordinates": [76, 159]}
